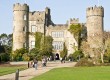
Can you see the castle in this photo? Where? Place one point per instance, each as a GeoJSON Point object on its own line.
{"type": "Point", "coordinates": [25, 21]}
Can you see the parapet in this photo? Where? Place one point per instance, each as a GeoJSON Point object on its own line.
{"type": "Point", "coordinates": [38, 16]}
{"type": "Point", "coordinates": [74, 20]}
{"type": "Point", "coordinates": [58, 27]}
{"type": "Point", "coordinates": [95, 11]}
{"type": "Point", "coordinates": [20, 7]}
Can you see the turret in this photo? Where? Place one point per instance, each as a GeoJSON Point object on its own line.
{"type": "Point", "coordinates": [20, 25]}
{"type": "Point", "coordinates": [47, 10]}
{"type": "Point", "coordinates": [94, 25]}
{"type": "Point", "coordinates": [74, 20]}
{"type": "Point", "coordinates": [95, 11]}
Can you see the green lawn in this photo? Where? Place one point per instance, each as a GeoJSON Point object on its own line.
{"type": "Point", "coordinates": [10, 69]}
{"type": "Point", "coordinates": [80, 73]}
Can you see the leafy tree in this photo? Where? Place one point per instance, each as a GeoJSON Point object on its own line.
{"type": "Point", "coordinates": [10, 40]}
{"type": "Point", "coordinates": [77, 55]}
{"type": "Point", "coordinates": [3, 39]}
{"type": "Point", "coordinates": [46, 45]}
{"type": "Point", "coordinates": [34, 53]}
{"type": "Point", "coordinates": [75, 29]}
{"type": "Point", "coordinates": [6, 44]}
{"type": "Point", "coordinates": [4, 56]}
{"type": "Point", "coordinates": [38, 37]}
{"type": "Point", "coordinates": [25, 57]}
{"type": "Point", "coordinates": [63, 53]}
{"type": "Point", "coordinates": [18, 54]}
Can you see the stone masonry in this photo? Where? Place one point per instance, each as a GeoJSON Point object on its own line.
{"type": "Point", "coordinates": [25, 21]}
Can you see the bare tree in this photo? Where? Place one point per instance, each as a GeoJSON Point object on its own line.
{"type": "Point", "coordinates": [99, 46]}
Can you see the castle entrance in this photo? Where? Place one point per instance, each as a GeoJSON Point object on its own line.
{"type": "Point", "coordinates": [57, 56]}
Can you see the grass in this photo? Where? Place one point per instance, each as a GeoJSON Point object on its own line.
{"type": "Point", "coordinates": [10, 69]}
{"type": "Point", "coordinates": [76, 73]}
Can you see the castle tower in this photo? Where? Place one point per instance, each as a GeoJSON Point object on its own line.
{"type": "Point", "coordinates": [48, 16]}
{"type": "Point", "coordinates": [20, 25]}
{"type": "Point", "coordinates": [94, 25]}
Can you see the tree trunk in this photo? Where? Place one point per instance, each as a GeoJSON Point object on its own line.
{"type": "Point", "coordinates": [102, 58]}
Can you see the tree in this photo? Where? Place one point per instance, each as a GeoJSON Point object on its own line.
{"type": "Point", "coordinates": [43, 46]}
{"type": "Point", "coordinates": [77, 55]}
{"type": "Point", "coordinates": [107, 44]}
{"type": "Point", "coordinates": [3, 39]}
{"type": "Point", "coordinates": [10, 40]}
{"type": "Point", "coordinates": [18, 54]}
{"type": "Point", "coordinates": [38, 37]}
{"type": "Point", "coordinates": [63, 53]}
{"type": "Point", "coordinates": [6, 44]}
{"type": "Point", "coordinates": [46, 45]}
{"type": "Point", "coordinates": [76, 29]}
{"type": "Point", "coordinates": [34, 53]}
{"type": "Point", "coordinates": [101, 42]}
{"type": "Point", "coordinates": [85, 48]}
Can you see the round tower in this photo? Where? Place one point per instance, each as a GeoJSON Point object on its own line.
{"type": "Point", "coordinates": [20, 25]}
{"type": "Point", "coordinates": [94, 25]}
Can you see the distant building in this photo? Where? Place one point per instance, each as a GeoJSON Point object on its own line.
{"type": "Point", "coordinates": [25, 21]}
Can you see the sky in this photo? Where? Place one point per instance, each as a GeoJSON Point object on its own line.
{"type": "Point", "coordinates": [61, 11]}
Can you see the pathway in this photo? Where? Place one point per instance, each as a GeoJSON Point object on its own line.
{"type": "Point", "coordinates": [31, 72]}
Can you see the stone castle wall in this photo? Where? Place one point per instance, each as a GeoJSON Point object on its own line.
{"type": "Point", "coordinates": [20, 25]}
{"type": "Point", "coordinates": [94, 25]}
{"type": "Point", "coordinates": [24, 20]}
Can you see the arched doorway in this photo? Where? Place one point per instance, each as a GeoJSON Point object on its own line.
{"type": "Point", "coordinates": [57, 56]}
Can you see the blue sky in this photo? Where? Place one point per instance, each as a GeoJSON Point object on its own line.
{"type": "Point", "coordinates": [61, 11]}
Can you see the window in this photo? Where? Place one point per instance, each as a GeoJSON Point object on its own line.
{"type": "Point", "coordinates": [33, 28]}
{"type": "Point", "coordinates": [57, 34]}
{"type": "Point", "coordinates": [58, 45]}
{"type": "Point", "coordinates": [24, 17]}
{"type": "Point", "coordinates": [32, 44]}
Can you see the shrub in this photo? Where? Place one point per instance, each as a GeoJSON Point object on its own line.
{"type": "Point", "coordinates": [25, 57]}
{"type": "Point", "coordinates": [84, 62]}
{"type": "Point", "coordinates": [77, 54]}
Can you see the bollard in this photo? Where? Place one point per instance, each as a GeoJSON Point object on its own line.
{"type": "Point", "coordinates": [17, 75]}
{"type": "Point", "coordinates": [28, 64]}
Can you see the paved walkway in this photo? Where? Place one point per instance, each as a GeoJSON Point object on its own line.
{"type": "Point", "coordinates": [31, 72]}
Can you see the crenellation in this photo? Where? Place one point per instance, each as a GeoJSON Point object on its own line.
{"type": "Point", "coordinates": [74, 20]}
{"type": "Point", "coordinates": [37, 15]}
{"type": "Point", "coordinates": [20, 7]}
{"type": "Point", "coordinates": [95, 11]}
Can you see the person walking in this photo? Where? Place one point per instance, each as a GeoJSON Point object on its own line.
{"type": "Point", "coordinates": [35, 64]}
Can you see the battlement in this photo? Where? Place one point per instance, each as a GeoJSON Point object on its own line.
{"type": "Point", "coordinates": [95, 11]}
{"type": "Point", "coordinates": [20, 7]}
{"type": "Point", "coordinates": [58, 27]}
{"type": "Point", "coordinates": [38, 16]}
{"type": "Point", "coordinates": [74, 20]}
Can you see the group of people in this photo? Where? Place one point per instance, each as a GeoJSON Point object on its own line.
{"type": "Point", "coordinates": [34, 63]}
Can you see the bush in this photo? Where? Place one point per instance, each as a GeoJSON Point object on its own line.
{"type": "Point", "coordinates": [84, 62]}
{"type": "Point", "coordinates": [25, 57]}
{"type": "Point", "coordinates": [77, 54]}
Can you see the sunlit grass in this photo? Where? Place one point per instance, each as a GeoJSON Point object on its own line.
{"type": "Point", "coordinates": [10, 69]}
{"type": "Point", "coordinates": [80, 73]}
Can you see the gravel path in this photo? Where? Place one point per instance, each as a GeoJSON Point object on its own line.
{"type": "Point", "coordinates": [31, 72]}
